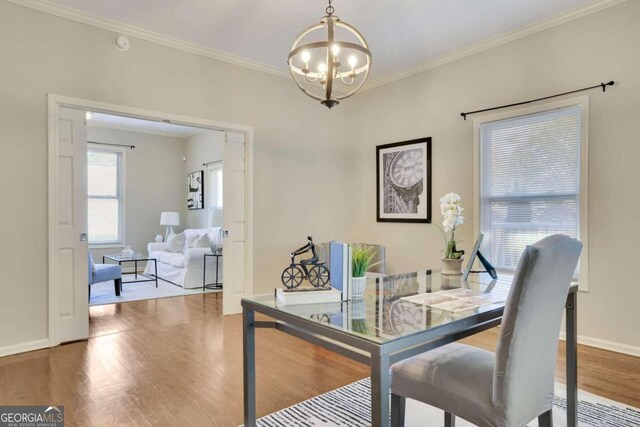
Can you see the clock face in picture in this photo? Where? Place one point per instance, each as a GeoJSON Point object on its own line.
{"type": "Point", "coordinates": [406, 169]}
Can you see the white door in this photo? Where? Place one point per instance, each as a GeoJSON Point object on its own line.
{"type": "Point", "coordinates": [235, 246]}
{"type": "Point", "coordinates": [72, 251]}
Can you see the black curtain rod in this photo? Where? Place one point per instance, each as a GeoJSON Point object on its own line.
{"type": "Point", "coordinates": [601, 85]}
{"type": "Point", "coordinates": [113, 145]}
{"type": "Point", "coordinates": [210, 163]}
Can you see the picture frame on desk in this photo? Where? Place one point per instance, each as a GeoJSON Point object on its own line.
{"type": "Point", "coordinates": [403, 181]}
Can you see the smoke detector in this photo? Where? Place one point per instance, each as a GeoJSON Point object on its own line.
{"type": "Point", "coordinates": [121, 42]}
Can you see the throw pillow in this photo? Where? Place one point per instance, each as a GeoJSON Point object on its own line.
{"type": "Point", "coordinates": [175, 242]}
{"type": "Point", "coordinates": [191, 241]}
{"type": "Point", "coordinates": [202, 242]}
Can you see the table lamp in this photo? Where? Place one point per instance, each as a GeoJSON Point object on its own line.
{"type": "Point", "coordinates": [169, 219]}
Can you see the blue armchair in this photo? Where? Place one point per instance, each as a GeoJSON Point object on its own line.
{"type": "Point", "coordinates": [104, 272]}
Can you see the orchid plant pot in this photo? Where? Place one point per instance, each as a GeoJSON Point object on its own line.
{"type": "Point", "coordinates": [357, 287]}
{"type": "Point", "coordinates": [452, 267]}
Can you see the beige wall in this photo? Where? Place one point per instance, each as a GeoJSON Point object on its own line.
{"type": "Point", "coordinates": [294, 137]}
{"type": "Point", "coordinates": [203, 147]}
{"type": "Point", "coordinates": [314, 168]}
{"type": "Point", "coordinates": [584, 52]}
{"type": "Point", "coordinates": [154, 182]}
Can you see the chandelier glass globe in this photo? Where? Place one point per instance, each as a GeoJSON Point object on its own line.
{"type": "Point", "coordinates": [330, 61]}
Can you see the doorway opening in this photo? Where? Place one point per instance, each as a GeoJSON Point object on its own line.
{"type": "Point", "coordinates": [144, 205]}
{"type": "Point", "coordinates": [154, 209]}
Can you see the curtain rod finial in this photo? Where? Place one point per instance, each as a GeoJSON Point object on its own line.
{"type": "Point", "coordinates": [464, 115]}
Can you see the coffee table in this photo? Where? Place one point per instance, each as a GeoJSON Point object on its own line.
{"type": "Point", "coordinates": [135, 258]}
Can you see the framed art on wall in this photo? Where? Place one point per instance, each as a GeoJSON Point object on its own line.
{"type": "Point", "coordinates": [403, 175]}
{"type": "Point", "coordinates": [195, 190]}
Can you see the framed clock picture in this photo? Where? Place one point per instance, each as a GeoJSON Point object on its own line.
{"type": "Point", "coordinates": [403, 174]}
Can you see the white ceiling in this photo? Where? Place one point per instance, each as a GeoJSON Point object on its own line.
{"type": "Point", "coordinates": [140, 125]}
{"type": "Point", "coordinates": [402, 34]}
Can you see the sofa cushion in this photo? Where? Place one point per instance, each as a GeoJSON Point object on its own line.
{"type": "Point", "coordinates": [165, 257]}
{"type": "Point", "coordinates": [169, 258]}
{"type": "Point", "coordinates": [177, 260]}
{"type": "Point", "coordinates": [175, 242]}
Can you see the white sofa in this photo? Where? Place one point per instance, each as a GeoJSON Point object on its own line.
{"type": "Point", "coordinates": [185, 268]}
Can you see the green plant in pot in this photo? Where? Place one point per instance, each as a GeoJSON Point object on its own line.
{"type": "Point", "coordinates": [451, 208]}
{"type": "Point", "coordinates": [361, 257]}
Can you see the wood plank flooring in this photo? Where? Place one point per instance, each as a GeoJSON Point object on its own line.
{"type": "Point", "coordinates": [178, 361]}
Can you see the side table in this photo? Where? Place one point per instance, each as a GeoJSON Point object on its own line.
{"type": "Point", "coordinates": [217, 284]}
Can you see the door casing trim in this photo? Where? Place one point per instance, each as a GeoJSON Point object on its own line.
{"type": "Point", "coordinates": [54, 103]}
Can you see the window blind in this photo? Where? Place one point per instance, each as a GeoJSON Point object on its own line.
{"type": "Point", "coordinates": [104, 196]}
{"type": "Point", "coordinates": [529, 182]}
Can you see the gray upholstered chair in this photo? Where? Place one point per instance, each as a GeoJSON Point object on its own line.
{"type": "Point", "coordinates": [103, 273]}
{"type": "Point", "coordinates": [513, 386]}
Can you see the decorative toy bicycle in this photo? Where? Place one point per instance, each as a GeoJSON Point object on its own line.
{"type": "Point", "coordinates": [310, 269]}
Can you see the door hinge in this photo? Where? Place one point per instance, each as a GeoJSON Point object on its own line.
{"type": "Point", "coordinates": [83, 237]}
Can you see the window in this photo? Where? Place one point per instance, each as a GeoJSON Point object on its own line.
{"type": "Point", "coordinates": [531, 178]}
{"type": "Point", "coordinates": [105, 184]}
{"type": "Point", "coordinates": [215, 195]}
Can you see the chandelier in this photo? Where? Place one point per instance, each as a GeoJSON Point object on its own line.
{"type": "Point", "coordinates": [330, 61]}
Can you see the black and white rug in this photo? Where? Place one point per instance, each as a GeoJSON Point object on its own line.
{"type": "Point", "coordinates": [349, 406]}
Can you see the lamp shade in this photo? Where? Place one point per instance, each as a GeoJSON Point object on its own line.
{"type": "Point", "coordinates": [169, 218]}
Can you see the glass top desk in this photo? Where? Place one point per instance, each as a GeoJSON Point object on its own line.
{"type": "Point", "coordinates": [383, 328]}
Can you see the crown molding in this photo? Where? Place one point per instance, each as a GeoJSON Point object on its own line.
{"type": "Point", "coordinates": [526, 31]}
{"type": "Point", "coordinates": [132, 31]}
{"type": "Point", "coordinates": [150, 36]}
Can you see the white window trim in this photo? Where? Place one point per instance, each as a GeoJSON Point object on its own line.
{"type": "Point", "coordinates": [122, 173]}
{"type": "Point", "coordinates": [583, 103]}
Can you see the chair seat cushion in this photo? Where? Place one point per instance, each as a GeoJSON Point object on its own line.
{"type": "Point", "coordinates": [104, 272]}
{"type": "Point", "coordinates": [456, 378]}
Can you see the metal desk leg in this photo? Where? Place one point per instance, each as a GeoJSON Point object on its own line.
{"type": "Point", "coordinates": [135, 269]}
{"type": "Point", "coordinates": [155, 268]}
{"type": "Point", "coordinates": [249, 366]}
{"type": "Point", "coordinates": [380, 386]}
{"type": "Point", "coordinates": [572, 359]}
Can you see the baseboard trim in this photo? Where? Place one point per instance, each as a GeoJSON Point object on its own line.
{"type": "Point", "coordinates": [606, 345]}
{"type": "Point", "coordinates": [23, 347]}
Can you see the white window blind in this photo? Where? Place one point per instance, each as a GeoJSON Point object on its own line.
{"type": "Point", "coordinates": [529, 182]}
{"type": "Point", "coordinates": [105, 197]}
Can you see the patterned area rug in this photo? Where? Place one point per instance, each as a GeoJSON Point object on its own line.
{"type": "Point", "coordinates": [348, 406]}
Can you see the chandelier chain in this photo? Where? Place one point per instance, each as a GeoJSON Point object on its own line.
{"type": "Point", "coordinates": [329, 9]}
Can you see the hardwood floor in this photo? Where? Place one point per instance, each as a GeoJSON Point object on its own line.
{"type": "Point", "coordinates": [178, 361]}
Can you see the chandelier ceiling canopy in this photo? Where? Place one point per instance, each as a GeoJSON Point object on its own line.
{"type": "Point", "coordinates": [330, 61]}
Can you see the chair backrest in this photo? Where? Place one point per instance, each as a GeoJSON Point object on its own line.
{"type": "Point", "coordinates": [92, 268]}
{"type": "Point", "coordinates": [526, 354]}
{"type": "Point", "coordinates": [92, 264]}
